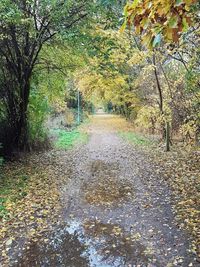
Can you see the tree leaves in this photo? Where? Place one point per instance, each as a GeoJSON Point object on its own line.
{"type": "Point", "coordinates": [157, 40]}
{"type": "Point", "coordinates": [180, 169]}
{"type": "Point", "coordinates": [165, 18]}
{"type": "Point", "coordinates": [27, 215]}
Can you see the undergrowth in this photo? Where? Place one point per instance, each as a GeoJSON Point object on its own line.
{"type": "Point", "coordinates": [136, 139]}
{"type": "Point", "coordinates": [67, 139]}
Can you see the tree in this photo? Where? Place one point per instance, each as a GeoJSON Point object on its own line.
{"type": "Point", "coordinates": [108, 76]}
{"type": "Point", "coordinates": [161, 19]}
{"type": "Point", "coordinates": [25, 26]}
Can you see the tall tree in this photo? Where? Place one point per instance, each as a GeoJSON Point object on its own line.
{"type": "Point", "coordinates": [25, 26]}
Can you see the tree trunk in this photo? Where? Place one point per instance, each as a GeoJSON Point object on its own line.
{"type": "Point", "coordinates": [165, 128]}
{"type": "Point", "coordinates": [160, 95]}
{"type": "Point", "coordinates": [23, 136]}
{"type": "Point", "coordinates": [158, 86]}
{"type": "Point", "coordinates": [167, 137]}
{"type": "Point", "coordinates": [18, 121]}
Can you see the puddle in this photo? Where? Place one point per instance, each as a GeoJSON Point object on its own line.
{"type": "Point", "coordinates": [115, 246]}
{"type": "Point", "coordinates": [105, 187]}
{"type": "Point", "coordinates": [92, 243]}
{"type": "Point", "coordinates": [60, 249]}
{"type": "Point", "coordinates": [108, 192]}
{"type": "Point", "coordinates": [98, 166]}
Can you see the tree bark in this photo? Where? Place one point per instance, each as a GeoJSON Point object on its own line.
{"type": "Point", "coordinates": [164, 128]}
{"type": "Point", "coordinates": [167, 137]}
{"type": "Point", "coordinates": [158, 86]}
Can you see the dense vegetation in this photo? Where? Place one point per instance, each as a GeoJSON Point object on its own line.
{"type": "Point", "coordinates": [143, 64]}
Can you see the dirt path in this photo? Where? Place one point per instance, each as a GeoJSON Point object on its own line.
{"type": "Point", "coordinates": [116, 211]}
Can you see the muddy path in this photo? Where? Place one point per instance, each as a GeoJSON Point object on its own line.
{"type": "Point", "coordinates": [116, 210]}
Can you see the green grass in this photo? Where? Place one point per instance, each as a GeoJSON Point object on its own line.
{"type": "Point", "coordinates": [136, 139]}
{"type": "Point", "coordinates": [68, 139]}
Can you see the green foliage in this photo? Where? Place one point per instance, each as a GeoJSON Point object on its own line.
{"type": "Point", "coordinates": [25, 28]}
{"type": "Point", "coordinates": [67, 139]}
{"type": "Point", "coordinates": [95, 58]}
{"type": "Point", "coordinates": [51, 88]}
{"type": "Point", "coordinates": [38, 111]}
{"type": "Point", "coordinates": [9, 12]}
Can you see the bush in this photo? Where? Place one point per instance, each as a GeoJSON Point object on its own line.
{"type": "Point", "coordinates": [188, 131]}
{"type": "Point", "coordinates": [147, 118]}
{"type": "Point", "coordinates": [38, 111]}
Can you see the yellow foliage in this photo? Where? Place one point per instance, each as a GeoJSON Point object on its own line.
{"type": "Point", "coordinates": [138, 57]}
{"type": "Point", "coordinates": [69, 117]}
{"type": "Point", "coordinates": [147, 117]}
{"type": "Point", "coordinates": [59, 105]}
{"type": "Point", "coordinates": [188, 131]}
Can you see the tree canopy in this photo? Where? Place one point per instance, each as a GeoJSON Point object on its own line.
{"type": "Point", "coordinates": [51, 49]}
{"type": "Point", "coordinates": [157, 20]}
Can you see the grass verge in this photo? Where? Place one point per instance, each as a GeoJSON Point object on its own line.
{"type": "Point", "coordinates": [68, 139]}
{"type": "Point", "coordinates": [136, 139]}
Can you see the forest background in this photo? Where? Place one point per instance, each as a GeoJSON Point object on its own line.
{"type": "Point", "coordinates": [140, 60]}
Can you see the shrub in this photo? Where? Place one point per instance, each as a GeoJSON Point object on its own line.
{"type": "Point", "coordinates": [37, 112]}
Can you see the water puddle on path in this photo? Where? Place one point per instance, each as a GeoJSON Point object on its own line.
{"type": "Point", "coordinates": [91, 243]}
{"type": "Point", "coordinates": [105, 187]}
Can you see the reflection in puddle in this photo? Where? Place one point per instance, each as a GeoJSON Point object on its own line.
{"type": "Point", "coordinates": [116, 247]}
{"type": "Point", "coordinates": [93, 244]}
{"type": "Point", "coordinates": [60, 249]}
